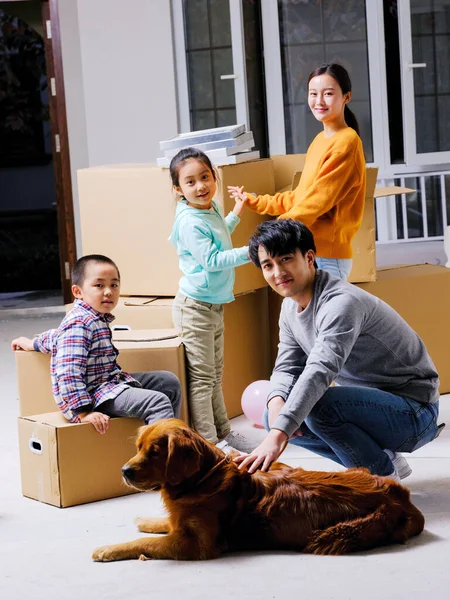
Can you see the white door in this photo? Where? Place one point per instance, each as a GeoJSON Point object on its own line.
{"type": "Point", "coordinates": [424, 27]}
{"type": "Point", "coordinates": [211, 65]}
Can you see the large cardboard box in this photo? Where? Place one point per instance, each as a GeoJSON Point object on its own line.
{"type": "Point", "coordinates": [136, 208]}
{"type": "Point", "coordinates": [420, 294]}
{"type": "Point", "coordinates": [247, 346]}
{"type": "Point", "coordinates": [287, 172]}
{"type": "Point", "coordinates": [33, 368]}
{"type": "Point", "coordinates": [64, 464]}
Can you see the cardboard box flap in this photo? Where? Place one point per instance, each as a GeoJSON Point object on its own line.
{"type": "Point", "coordinates": [144, 335]}
{"type": "Point", "coordinates": [147, 301]}
{"type": "Point", "coordinates": [391, 190]}
{"type": "Point", "coordinates": [139, 300]}
{"type": "Point", "coordinates": [402, 271]}
{"type": "Point", "coordinates": [56, 419]}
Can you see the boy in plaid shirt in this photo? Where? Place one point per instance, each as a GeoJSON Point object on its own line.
{"type": "Point", "coordinates": [87, 383]}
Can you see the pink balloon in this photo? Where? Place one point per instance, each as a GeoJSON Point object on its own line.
{"type": "Point", "coordinates": [254, 399]}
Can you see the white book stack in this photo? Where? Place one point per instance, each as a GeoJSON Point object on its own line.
{"type": "Point", "coordinates": [224, 145]}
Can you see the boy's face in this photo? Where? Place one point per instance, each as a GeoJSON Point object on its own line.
{"type": "Point", "coordinates": [100, 288]}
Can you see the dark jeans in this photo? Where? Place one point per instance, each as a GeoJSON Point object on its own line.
{"type": "Point", "coordinates": [353, 425]}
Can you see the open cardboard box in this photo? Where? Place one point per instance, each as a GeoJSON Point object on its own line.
{"type": "Point", "coordinates": [136, 207]}
{"type": "Point", "coordinates": [288, 171]}
{"type": "Point", "coordinates": [154, 350]}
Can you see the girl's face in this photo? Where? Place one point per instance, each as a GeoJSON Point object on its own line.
{"type": "Point", "coordinates": [197, 184]}
{"type": "Point", "coordinates": [325, 98]}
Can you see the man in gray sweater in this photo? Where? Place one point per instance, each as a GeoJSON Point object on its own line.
{"type": "Point", "coordinates": [386, 398]}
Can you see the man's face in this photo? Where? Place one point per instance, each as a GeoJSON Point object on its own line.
{"type": "Point", "coordinates": [100, 288]}
{"type": "Point", "coordinates": [290, 275]}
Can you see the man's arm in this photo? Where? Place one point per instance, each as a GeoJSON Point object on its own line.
{"type": "Point", "coordinates": [288, 367]}
{"type": "Point", "coordinates": [339, 325]}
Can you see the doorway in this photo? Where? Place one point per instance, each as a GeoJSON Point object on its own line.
{"type": "Point", "coordinates": [37, 241]}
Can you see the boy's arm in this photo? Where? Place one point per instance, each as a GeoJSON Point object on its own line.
{"type": "Point", "coordinates": [72, 349]}
{"type": "Point", "coordinates": [44, 341]}
{"type": "Point", "coordinates": [22, 343]}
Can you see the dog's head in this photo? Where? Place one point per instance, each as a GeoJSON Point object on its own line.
{"type": "Point", "coordinates": [168, 452]}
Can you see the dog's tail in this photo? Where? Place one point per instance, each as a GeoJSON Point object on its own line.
{"type": "Point", "coordinates": [390, 523]}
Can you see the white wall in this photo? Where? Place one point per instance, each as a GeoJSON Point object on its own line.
{"type": "Point", "coordinates": [119, 75]}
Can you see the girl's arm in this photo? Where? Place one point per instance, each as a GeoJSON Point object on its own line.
{"type": "Point", "coordinates": [337, 177]}
{"type": "Point", "coordinates": [199, 242]}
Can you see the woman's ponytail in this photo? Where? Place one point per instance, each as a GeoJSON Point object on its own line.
{"type": "Point", "coordinates": [351, 120]}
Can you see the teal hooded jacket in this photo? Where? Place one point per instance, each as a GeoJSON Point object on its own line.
{"type": "Point", "coordinates": [202, 238]}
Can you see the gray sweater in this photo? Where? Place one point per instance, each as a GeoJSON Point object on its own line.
{"type": "Point", "coordinates": [349, 336]}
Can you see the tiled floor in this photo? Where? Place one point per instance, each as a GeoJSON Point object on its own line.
{"type": "Point", "coordinates": [45, 551]}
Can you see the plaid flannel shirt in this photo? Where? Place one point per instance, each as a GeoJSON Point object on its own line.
{"type": "Point", "coordinates": [83, 365]}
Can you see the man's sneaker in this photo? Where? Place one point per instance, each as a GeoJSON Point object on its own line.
{"type": "Point", "coordinates": [400, 463]}
{"type": "Point", "coordinates": [241, 443]}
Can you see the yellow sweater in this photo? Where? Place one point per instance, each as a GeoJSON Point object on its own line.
{"type": "Point", "coordinates": [329, 198]}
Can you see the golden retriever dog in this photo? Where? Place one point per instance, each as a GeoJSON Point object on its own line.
{"type": "Point", "coordinates": [213, 507]}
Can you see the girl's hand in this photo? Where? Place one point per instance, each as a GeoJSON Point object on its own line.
{"type": "Point", "coordinates": [240, 198]}
{"type": "Point", "coordinates": [22, 343]}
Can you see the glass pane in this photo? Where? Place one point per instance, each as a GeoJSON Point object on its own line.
{"type": "Point", "coordinates": [202, 119]}
{"type": "Point", "coordinates": [344, 20]}
{"type": "Point", "coordinates": [209, 55]}
{"type": "Point", "coordinates": [434, 205]}
{"type": "Point", "coordinates": [300, 26]}
{"type": "Point", "coordinates": [311, 33]}
{"type": "Point", "coordinates": [447, 197]}
{"type": "Point", "coordinates": [414, 208]}
{"type": "Point", "coordinates": [225, 117]}
{"type": "Point", "coordinates": [399, 214]}
{"type": "Point", "coordinates": [200, 80]}
{"type": "Point", "coordinates": [430, 27]}
{"type": "Point", "coordinates": [426, 124]}
{"type": "Point", "coordinates": [223, 88]}
{"type": "Point", "coordinates": [220, 23]}
{"type": "Point", "coordinates": [196, 22]}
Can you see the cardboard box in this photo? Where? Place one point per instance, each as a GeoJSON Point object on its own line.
{"type": "Point", "coordinates": [247, 347]}
{"type": "Point", "coordinates": [420, 294]}
{"type": "Point", "coordinates": [287, 175]}
{"type": "Point", "coordinates": [64, 464]}
{"type": "Point", "coordinates": [33, 368]}
{"type": "Point", "coordinates": [136, 207]}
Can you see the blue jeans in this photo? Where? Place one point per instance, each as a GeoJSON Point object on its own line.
{"type": "Point", "coordinates": [339, 267]}
{"type": "Point", "coordinates": [353, 425]}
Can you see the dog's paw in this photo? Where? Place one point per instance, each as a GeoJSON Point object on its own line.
{"type": "Point", "coordinates": [104, 554]}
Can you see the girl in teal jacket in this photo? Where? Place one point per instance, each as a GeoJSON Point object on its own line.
{"type": "Point", "coordinates": [202, 237]}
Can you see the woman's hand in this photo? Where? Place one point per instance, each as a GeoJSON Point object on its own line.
{"type": "Point", "coordinates": [265, 454]}
{"type": "Point", "coordinates": [239, 196]}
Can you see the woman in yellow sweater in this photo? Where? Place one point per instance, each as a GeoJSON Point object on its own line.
{"type": "Point", "coordinates": [329, 198]}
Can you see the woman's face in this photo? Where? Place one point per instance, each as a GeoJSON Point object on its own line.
{"type": "Point", "coordinates": [325, 98]}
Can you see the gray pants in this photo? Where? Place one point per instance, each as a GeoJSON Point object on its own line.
{"type": "Point", "coordinates": [159, 398]}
